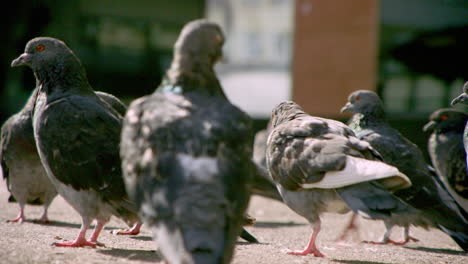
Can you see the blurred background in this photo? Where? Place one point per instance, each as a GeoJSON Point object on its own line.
{"type": "Point", "coordinates": [413, 53]}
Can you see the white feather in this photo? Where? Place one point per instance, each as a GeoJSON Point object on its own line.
{"type": "Point", "coordinates": [361, 170]}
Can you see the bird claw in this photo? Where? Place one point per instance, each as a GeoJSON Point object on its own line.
{"type": "Point", "coordinates": [315, 252]}
{"type": "Point", "coordinates": [127, 232]}
{"type": "Point", "coordinates": [78, 243]}
{"type": "Point", "coordinates": [17, 220]}
{"type": "Point", "coordinates": [389, 241]}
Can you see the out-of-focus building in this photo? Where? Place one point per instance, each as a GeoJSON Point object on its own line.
{"type": "Point", "coordinates": [314, 52]}
{"type": "Point", "coordinates": [256, 72]}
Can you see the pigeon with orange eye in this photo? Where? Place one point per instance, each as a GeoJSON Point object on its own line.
{"type": "Point", "coordinates": [447, 151]}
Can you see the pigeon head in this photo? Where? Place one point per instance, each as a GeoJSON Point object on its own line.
{"type": "Point", "coordinates": [197, 49]}
{"type": "Point", "coordinates": [50, 59]}
{"type": "Point", "coordinates": [363, 102]}
{"type": "Point", "coordinates": [462, 98]}
{"type": "Point", "coordinates": [201, 38]}
{"type": "Point", "coordinates": [446, 119]}
{"type": "Point", "coordinates": [285, 111]}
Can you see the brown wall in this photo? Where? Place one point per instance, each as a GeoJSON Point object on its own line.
{"type": "Point", "coordinates": [335, 52]}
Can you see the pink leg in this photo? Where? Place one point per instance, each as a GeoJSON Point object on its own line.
{"type": "Point", "coordinates": [96, 232]}
{"type": "Point", "coordinates": [80, 241]}
{"type": "Point", "coordinates": [311, 248]}
{"type": "Point", "coordinates": [350, 227]}
{"type": "Point", "coordinates": [44, 219]}
{"type": "Point", "coordinates": [20, 218]}
{"type": "Point", "coordinates": [135, 230]}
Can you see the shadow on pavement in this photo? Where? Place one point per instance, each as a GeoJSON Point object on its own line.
{"type": "Point", "coordinates": [438, 250]}
{"type": "Point", "coordinates": [132, 254]}
{"type": "Point", "coordinates": [275, 224]}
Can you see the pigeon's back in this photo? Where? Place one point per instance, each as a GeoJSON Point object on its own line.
{"type": "Point", "coordinates": [195, 164]}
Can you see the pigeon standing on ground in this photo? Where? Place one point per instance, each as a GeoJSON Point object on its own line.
{"type": "Point", "coordinates": [186, 153]}
{"type": "Point", "coordinates": [463, 99]}
{"type": "Point", "coordinates": [21, 166]}
{"type": "Point", "coordinates": [436, 207]}
{"type": "Point", "coordinates": [319, 165]}
{"type": "Point", "coordinates": [77, 137]}
{"type": "Point", "coordinates": [447, 152]}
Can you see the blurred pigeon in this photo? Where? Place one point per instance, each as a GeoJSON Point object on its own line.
{"type": "Point", "coordinates": [447, 153]}
{"type": "Point", "coordinates": [435, 205]}
{"type": "Point", "coordinates": [261, 182]}
{"type": "Point", "coordinates": [319, 165]}
{"type": "Point", "coordinates": [186, 155]}
{"type": "Point", "coordinates": [463, 99]}
{"type": "Point", "coordinates": [77, 136]}
{"type": "Point", "coordinates": [21, 166]}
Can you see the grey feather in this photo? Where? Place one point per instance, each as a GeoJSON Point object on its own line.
{"type": "Point", "coordinates": [436, 206]}
{"type": "Point", "coordinates": [186, 155]}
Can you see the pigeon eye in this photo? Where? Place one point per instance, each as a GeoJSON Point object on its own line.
{"type": "Point", "coordinates": [444, 117]}
{"type": "Point", "coordinates": [40, 47]}
{"type": "Point", "coordinates": [357, 98]}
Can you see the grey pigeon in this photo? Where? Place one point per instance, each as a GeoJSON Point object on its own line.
{"type": "Point", "coordinates": [77, 136]}
{"type": "Point", "coordinates": [186, 155]}
{"type": "Point", "coordinates": [21, 165]}
{"type": "Point", "coordinates": [463, 99]}
{"type": "Point", "coordinates": [261, 182]}
{"type": "Point", "coordinates": [435, 205]}
{"type": "Point", "coordinates": [319, 165]}
{"type": "Point", "coordinates": [447, 152]}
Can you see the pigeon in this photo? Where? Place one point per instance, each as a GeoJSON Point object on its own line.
{"type": "Point", "coordinates": [435, 206]}
{"type": "Point", "coordinates": [186, 154]}
{"type": "Point", "coordinates": [463, 99]}
{"type": "Point", "coordinates": [261, 182]}
{"type": "Point", "coordinates": [21, 166]}
{"type": "Point", "coordinates": [447, 152]}
{"type": "Point", "coordinates": [113, 101]}
{"type": "Point", "coordinates": [318, 165]}
{"type": "Point", "coordinates": [77, 137]}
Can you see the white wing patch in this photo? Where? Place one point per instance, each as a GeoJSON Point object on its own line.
{"type": "Point", "coordinates": [361, 170]}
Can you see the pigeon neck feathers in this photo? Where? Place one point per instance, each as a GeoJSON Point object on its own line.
{"type": "Point", "coordinates": [63, 75]}
{"type": "Point", "coordinates": [369, 116]}
{"type": "Point", "coordinates": [196, 51]}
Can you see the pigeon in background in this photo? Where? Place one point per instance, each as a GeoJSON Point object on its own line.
{"type": "Point", "coordinates": [435, 205]}
{"type": "Point", "coordinates": [319, 165]}
{"type": "Point", "coordinates": [186, 155]}
{"type": "Point", "coordinates": [447, 152]}
{"type": "Point", "coordinates": [261, 182]}
{"type": "Point", "coordinates": [21, 166]}
{"type": "Point", "coordinates": [77, 136]}
{"type": "Point", "coordinates": [463, 99]}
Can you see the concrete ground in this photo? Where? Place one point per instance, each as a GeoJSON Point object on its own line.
{"type": "Point", "coordinates": [277, 227]}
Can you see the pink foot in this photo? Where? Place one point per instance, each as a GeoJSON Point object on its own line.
{"type": "Point", "coordinates": [396, 243]}
{"type": "Point", "coordinates": [305, 252]}
{"type": "Point", "coordinates": [128, 232]}
{"type": "Point", "coordinates": [76, 243]}
{"type": "Point", "coordinates": [19, 219]}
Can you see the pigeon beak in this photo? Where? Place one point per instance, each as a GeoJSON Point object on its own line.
{"type": "Point", "coordinates": [23, 59]}
{"type": "Point", "coordinates": [347, 107]}
{"type": "Point", "coordinates": [462, 98]}
{"type": "Point", "coordinates": [429, 126]}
